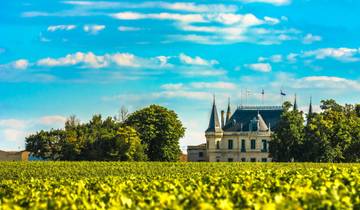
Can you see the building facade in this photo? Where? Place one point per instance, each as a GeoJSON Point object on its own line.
{"type": "Point", "coordinates": [243, 136]}
{"type": "Point", "coordinates": [14, 156]}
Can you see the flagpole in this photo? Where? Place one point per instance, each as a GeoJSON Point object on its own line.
{"type": "Point", "coordinates": [246, 96]}
{"type": "Point", "coordinates": [241, 96]}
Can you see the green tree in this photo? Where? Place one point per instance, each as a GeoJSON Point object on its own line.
{"type": "Point", "coordinates": [287, 139]}
{"type": "Point", "coordinates": [330, 134]}
{"type": "Point", "coordinates": [46, 144]}
{"type": "Point", "coordinates": [160, 130]}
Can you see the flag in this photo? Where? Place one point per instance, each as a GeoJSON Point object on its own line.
{"type": "Point", "coordinates": [282, 93]}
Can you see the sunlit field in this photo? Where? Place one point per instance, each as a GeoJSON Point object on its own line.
{"type": "Point", "coordinates": [118, 185]}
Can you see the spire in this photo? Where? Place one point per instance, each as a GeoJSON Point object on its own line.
{"type": "Point", "coordinates": [310, 107]}
{"type": "Point", "coordinates": [214, 124]}
{"type": "Point", "coordinates": [228, 113]}
{"type": "Point", "coordinates": [295, 104]}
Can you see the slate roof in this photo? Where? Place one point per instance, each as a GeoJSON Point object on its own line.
{"type": "Point", "coordinates": [243, 118]}
{"type": "Point", "coordinates": [214, 123]}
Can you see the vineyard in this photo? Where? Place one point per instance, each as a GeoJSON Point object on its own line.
{"type": "Point", "coordinates": [116, 185]}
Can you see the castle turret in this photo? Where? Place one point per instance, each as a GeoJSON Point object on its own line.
{"type": "Point", "coordinates": [228, 113]}
{"type": "Point", "coordinates": [222, 118]}
{"type": "Point", "coordinates": [214, 124]}
{"type": "Point", "coordinates": [310, 107]}
{"type": "Point", "coordinates": [295, 104]}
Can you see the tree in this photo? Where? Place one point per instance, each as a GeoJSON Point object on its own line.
{"type": "Point", "coordinates": [331, 136]}
{"type": "Point", "coordinates": [127, 145]}
{"type": "Point", "coordinates": [96, 140]}
{"type": "Point", "coordinates": [159, 130]}
{"type": "Point", "coordinates": [47, 145]}
{"type": "Point", "coordinates": [287, 138]}
{"type": "Point", "coordinates": [357, 109]}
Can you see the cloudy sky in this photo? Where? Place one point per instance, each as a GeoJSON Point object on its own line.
{"type": "Point", "coordinates": [59, 58]}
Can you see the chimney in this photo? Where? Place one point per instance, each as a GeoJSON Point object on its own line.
{"type": "Point", "coordinates": [222, 118]}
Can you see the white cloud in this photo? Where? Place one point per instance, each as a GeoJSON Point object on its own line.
{"type": "Point", "coordinates": [89, 59]}
{"type": "Point", "coordinates": [61, 28]}
{"type": "Point", "coordinates": [52, 120]}
{"type": "Point", "coordinates": [196, 60]}
{"type": "Point", "coordinates": [341, 54]}
{"type": "Point", "coordinates": [223, 18]}
{"type": "Point", "coordinates": [125, 59]}
{"type": "Point", "coordinates": [193, 95]}
{"type": "Point", "coordinates": [93, 29]}
{"type": "Point", "coordinates": [292, 57]}
{"type": "Point", "coordinates": [309, 38]}
{"type": "Point", "coordinates": [213, 85]}
{"type": "Point", "coordinates": [192, 7]}
{"type": "Point", "coordinates": [127, 28]}
{"type": "Point", "coordinates": [260, 67]}
{"type": "Point", "coordinates": [271, 20]}
{"type": "Point", "coordinates": [160, 16]}
{"type": "Point", "coordinates": [327, 83]}
{"type": "Point", "coordinates": [176, 86]}
{"type": "Point", "coordinates": [14, 131]}
{"type": "Point", "coordinates": [13, 135]}
{"type": "Point", "coordinates": [176, 6]}
{"type": "Point", "coordinates": [274, 2]}
{"type": "Point", "coordinates": [188, 66]}
{"type": "Point", "coordinates": [21, 64]}
{"type": "Point", "coordinates": [239, 32]}
{"type": "Point", "coordinates": [275, 59]}
{"type": "Point", "coordinates": [13, 123]}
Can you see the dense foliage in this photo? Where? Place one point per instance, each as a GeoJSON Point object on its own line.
{"type": "Point", "coordinates": [121, 185]}
{"type": "Point", "coordinates": [159, 129]}
{"type": "Point", "coordinates": [332, 135]}
{"type": "Point", "coordinates": [152, 132]}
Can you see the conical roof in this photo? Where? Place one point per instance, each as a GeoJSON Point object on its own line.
{"type": "Point", "coordinates": [310, 107]}
{"type": "Point", "coordinates": [295, 104]}
{"type": "Point", "coordinates": [214, 124]}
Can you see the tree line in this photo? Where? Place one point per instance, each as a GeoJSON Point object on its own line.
{"type": "Point", "coordinates": [333, 135]}
{"type": "Point", "coordinates": [152, 133]}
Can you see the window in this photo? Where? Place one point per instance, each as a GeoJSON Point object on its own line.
{"type": "Point", "coordinates": [264, 146]}
{"type": "Point", "coordinates": [243, 159]}
{"type": "Point", "coordinates": [218, 145]}
{"type": "Point", "coordinates": [253, 144]}
{"type": "Point", "coordinates": [230, 160]}
{"type": "Point", "coordinates": [252, 159]}
{"type": "Point", "coordinates": [243, 148]}
{"type": "Point", "coordinates": [263, 159]}
{"type": "Point", "coordinates": [201, 154]}
{"type": "Point", "coordinates": [230, 144]}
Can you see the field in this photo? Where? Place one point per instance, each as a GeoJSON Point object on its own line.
{"type": "Point", "coordinates": [115, 185]}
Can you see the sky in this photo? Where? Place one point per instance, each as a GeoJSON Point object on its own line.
{"type": "Point", "coordinates": [62, 58]}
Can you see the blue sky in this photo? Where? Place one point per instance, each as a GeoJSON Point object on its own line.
{"type": "Point", "coordinates": [59, 58]}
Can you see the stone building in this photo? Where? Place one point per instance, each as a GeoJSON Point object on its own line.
{"type": "Point", "coordinates": [14, 156]}
{"type": "Point", "coordinates": [242, 136]}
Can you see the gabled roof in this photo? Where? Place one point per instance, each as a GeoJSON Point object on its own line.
{"type": "Point", "coordinates": [214, 123]}
{"type": "Point", "coordinates": [242, 117]}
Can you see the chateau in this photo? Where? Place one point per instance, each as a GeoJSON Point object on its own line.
{"type": "Point", "coordinates": [242, 136]}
